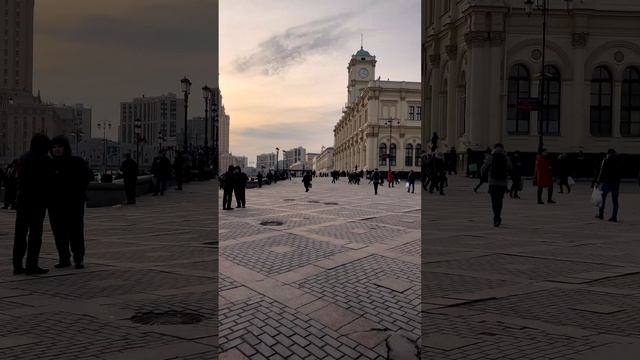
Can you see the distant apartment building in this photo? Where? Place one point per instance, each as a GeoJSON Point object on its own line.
{"type": "Point", "coordinates": [324, 161]}
{"type": "Point", "coordinates": [266, 161]}
{"type": "Point", "coordinates": [161, 120]}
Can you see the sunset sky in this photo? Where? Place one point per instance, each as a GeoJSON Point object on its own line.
{"type": "Point", "coordinates": [100, 52]}
{"type": "Point", "coordinates": [283, 64]}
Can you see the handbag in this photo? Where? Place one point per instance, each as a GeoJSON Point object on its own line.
{"type": "Point", "coordinates": [596, 197]}
{"type": "Point", "coordinates": [571, 181]}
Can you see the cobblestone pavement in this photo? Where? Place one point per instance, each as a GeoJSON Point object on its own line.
{"type": "Point", "coordinates": [552, 282]}
{"type": "Point", "coordinates": [339, 279]}
{"type": "Point", "coordinates": [145, 258]}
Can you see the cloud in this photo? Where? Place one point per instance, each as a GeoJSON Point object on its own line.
{"type": "Point", "coordinates": [296, 132]}
{"type": "Point", "coordinates": [294, 45]}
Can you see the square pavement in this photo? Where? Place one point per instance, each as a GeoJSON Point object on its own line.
{"type": "Point", "coordinates": [552, 282]}
{"type": "Point", "coordinates": [143, 258]}
{"type": "Point", "coordinates": [339, 279]}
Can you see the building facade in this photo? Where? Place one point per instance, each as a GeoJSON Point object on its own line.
{"type": "Point", "coordinates": [293, 156]}
{"type": "Point", "coordinates": [17, 47]}
{"type": "Point", "coordinates": [324, 161]}
{"type": "Point", "coordinates": [482, 67]}
{"type": "Point", "coordinates": [266, 161]}
{"type": "Point", "coordinates": [161, 119]}
{"type": "Point", "coordinates": [380, 124]}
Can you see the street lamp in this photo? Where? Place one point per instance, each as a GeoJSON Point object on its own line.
{"type": "Point", "coordinates": [104, 125]}
{"type": "Point", "coordinates": [186, 89]}
{"type": "Point", "coordinates": [206, 94]}
{"type": "Point", "coordinates": [277, 152]}
{"type": "Point", "coordinates": [138, 132]}
{"type": "Point", "coordinates": [542, 5]}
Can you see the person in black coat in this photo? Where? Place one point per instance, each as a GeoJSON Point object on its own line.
{"type": "Point", "coordinates": [240, 186]}
{"type": "Point", "coordinates": [34, 173]}
{"type": "Point", "coordinates": [306, 180]}
{"type": "Point", "coordinates": [129, 170]}
{"type": "Point", "coordinates": [227, 186]}
{"type": "Point", "coordinates": [260, 179]}
{"type": "Point", "coordinates": [161, 170]}
{"type": "Point", "coordinates": [609, 178]}
{"type": "Point", "coordinates": [68, 197]}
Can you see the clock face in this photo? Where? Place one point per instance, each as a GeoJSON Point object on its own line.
{"type": "Point", "coordinates": [363, 73]}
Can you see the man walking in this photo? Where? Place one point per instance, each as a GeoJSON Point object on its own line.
{"type": "Point", "coordinates": [375, 178]}
{"type": "Point", "coordinates": [161, 170]}
{"type": "Point", "coordinates": [240, 186]}
{"type": "Point", "coordinates": [129, 170]}
{"type": "Point", "coordinates": [34, 173]}
{"type": "Point", "coordinates": [259, 179]}
{"type": "Point", "coordinates": [227, 186]}
{"type": "Point", "coordinates": [411, 182]}
{"type": "Point", "coordinates": [306, 180]}
{"type": "Point", "coordinates": [609, 180]}
{"type": "Point", "coordinates": [496, 169]}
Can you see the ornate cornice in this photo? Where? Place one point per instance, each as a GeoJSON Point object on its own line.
{"type": "Point", "coordinates": [434, 60]}
{"type": "Point", "coordinates": [579, 39]}
{"type": "Point", "coordinates": [476, 38]}
{"type": "Point", "coordinates": [452, 51]}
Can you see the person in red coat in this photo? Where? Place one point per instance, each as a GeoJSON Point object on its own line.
{"type": "Point", "coordinates": [390, 177]}
{"type": "Point", "coordinates": [544, 177]}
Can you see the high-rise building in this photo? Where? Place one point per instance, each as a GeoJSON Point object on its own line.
{"type": "Point", "coordinates": [17, 45]}
{"type": "Point", "coordinates": [266, 161]}
{"type": "Point", "coordinates": [161, 120]}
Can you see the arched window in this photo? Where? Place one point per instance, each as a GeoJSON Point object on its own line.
{"type": "Point", "coordinates": [601, 101]}
{"type": "Point", "coordinates": [519, 89]}
{"type": "Point", "coordinates": [382, 155]}
{"type": "Point", "coordinates": [630, 114]}
{"type": "Point", "coordinates": [408, 155]}
{"type": "Point", "coordinates": [418, 154]}
{"type": "Point", "coordinates": [392, 154]}
{"type": "Point", "coordinates": [550, 112]}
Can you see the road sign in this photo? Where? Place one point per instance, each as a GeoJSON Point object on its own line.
{"type": "Point", "coordinates": [528, 104]}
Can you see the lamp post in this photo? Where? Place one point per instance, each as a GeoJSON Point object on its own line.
{"type": "Point", "coordinates": [138, 132]}
{"type": "Point", "coordinates": [215, 126]}
{"type": "Point", "coordinates": [186, 89]}
{"type": "Point", "coordinates": [104, 124]}
{"type": "Point", "coordinates": [543, 5]}
{"type": "Point", "coordinates": [206, 94]}
{"type": "Point", "coordinates": [277, 152]}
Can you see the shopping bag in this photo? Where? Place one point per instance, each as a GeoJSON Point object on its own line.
{"type": "Point", "coordinates": [596, 197]}
{"type": "Point", "coordinates": [406, 185]}
{"type": "Point", "coordinates": [570, 181]}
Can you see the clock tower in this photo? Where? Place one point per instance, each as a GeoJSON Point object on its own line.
{"type": "Point", "coordinates": [362, 67]}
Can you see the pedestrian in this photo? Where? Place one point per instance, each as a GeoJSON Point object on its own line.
{"type": "Point", "coordinates": [375, 178]}
{"type": "Point", "coordinates": [609, 182]}
{"type": "Point", "coordinates": [129, 170]}
{"type": "Point", "coordinates": [10, 186]}
{"type": "Point", "coordinates": [228, 185]}
{"type": "Point", "coordinates": [483, 178]}
{"type": "Point", "coordinates": [390, 180]}
{"type": "Point", "coordinates": [240, 186]}
{"type": "Point", "coordinates": [68, 198]}
{"type": "Point", "coordinates": [411, 181]}
{"type": "Point", "coordinates": [496, 169]}
{"type": "Point", "coordinates": [178, 169]}
{"type": "Point", "coordinates": [34, 173]}
{"type": "Point", "coordinates": [161, 170]}
{"type": "Point", "coordinates": [306, 180]}
{"type": "Point", "coordinates": [269, 177]}
{"type": "Point", "coordinates": [516, 175]}
{"type": "Point", "coordinates": [424, 170]}
{"type": "Point", "coordinates": [543, 177]}
{"type": "Point", "coordinates": [437, 172]}
{"type": "Point", "coordinates": [563, 170]}
{"type": "Point", "coordinates": [453, 154]}
{"type": "Point", "coordinates": [260, 179]}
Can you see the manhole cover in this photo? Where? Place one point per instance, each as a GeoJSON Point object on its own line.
{"type": "Point", "coordinates": [314, 201]}
{"type": "Point", "coordinates": [170, 317]}
{"type": "Point", "coordinates": [330, 203]}
{"type": "Point", "coordinates": [271, 223]}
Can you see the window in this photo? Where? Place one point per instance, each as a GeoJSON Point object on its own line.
{"type": "Point", "coordinates": [412, 112]}
{"type": "Point", "coordinates": [601, 100]}
{"type": "Point", "coordinates": [408, 155]}
{"type": "Point", "coordinates": [518, 89]}
{"type": "Point", "coordinates": [418, 154]}
{"type": "Point", "coordinates": [392, 154]}
{"type": "Point", "coordinates": [382, 155]}
{"type": "Point", "coordinates": [630, 114]}
{"type": "Point", "coordinates": [419, 113]}
{"type": "Point", "coordinates": [550, 112]}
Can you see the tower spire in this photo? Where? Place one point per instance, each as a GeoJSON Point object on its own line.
{"type": "Point", "coordinates": [361, 41]}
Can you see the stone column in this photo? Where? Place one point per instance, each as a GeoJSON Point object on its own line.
{"type": "Point", "coordinates": [478, 57]}
{"type": "Point", "coordinates": [452, 98]}
{"type": "Point", "coordinates": [436, 75]}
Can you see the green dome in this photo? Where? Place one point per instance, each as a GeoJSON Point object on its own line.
{"type": "Point", "coordinates": [362, 52]}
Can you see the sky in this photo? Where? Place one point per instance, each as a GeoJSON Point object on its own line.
{"type": "Point", "coordinates": [100, 52]}
{"type": "Point", "coordinates": [283, 64]}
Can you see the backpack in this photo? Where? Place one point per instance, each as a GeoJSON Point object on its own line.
{"type": "Point", "coordinates": [499, 166]}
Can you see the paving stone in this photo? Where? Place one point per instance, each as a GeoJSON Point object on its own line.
{"type": "Point", "coordinates": [394, 284]}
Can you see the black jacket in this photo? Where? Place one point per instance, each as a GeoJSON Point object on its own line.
{"type": "Point", "coordinates": [129, 169]}
{"type": "Point", "coordinates": [610, 171]}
